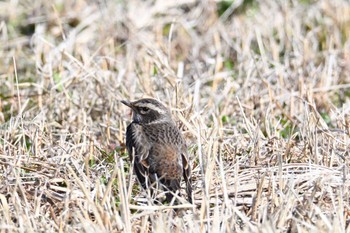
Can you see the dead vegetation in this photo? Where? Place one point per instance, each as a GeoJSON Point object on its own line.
{"type": "Point", "coordinates": [259, 88]}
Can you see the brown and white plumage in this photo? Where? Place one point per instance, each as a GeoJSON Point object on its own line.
{"type": "Point", "coordinates": [157, 148]}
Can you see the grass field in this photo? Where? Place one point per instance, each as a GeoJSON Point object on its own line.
{"type": "Point", "coordinates": [260, 89]}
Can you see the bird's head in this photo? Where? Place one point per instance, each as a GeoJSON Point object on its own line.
{"type": "Point", "coordinates": [147, 111]}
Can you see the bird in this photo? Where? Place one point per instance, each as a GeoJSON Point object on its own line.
{"type": "Point", "coordinates": [157, 148]}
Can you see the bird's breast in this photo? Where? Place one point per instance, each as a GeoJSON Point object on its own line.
{"type": "Point", "coordinates": [166, 161]}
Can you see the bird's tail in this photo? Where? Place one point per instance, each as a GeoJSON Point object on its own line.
{"type": "Point", "coordinates": [173, 186]}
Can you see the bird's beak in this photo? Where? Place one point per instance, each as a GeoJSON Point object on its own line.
{"type": "Point", "coordinates": [128, 103]}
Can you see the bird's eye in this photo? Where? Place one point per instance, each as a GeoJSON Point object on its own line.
{"type": "Point", "coordinates": [144, 110]}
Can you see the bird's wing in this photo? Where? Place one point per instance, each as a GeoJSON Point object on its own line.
{"type": "Point", "coordinates": [138, 150]}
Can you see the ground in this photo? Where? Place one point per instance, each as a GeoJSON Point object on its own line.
{"type": "Point", "coordinates": [260, 90]}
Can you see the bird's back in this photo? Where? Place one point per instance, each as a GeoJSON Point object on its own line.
{"type": "Point", "coordinates": [167, 147]}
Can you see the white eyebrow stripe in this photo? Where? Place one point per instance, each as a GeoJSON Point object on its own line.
{"type": "Point", "coordinates": [151, 106]}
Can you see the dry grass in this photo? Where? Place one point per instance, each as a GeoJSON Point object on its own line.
{"type": "Point", "coordinates": [260, 89]}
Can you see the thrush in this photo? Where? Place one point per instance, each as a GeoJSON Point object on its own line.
{"type": "Point", "coordinates": [157, 148]}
